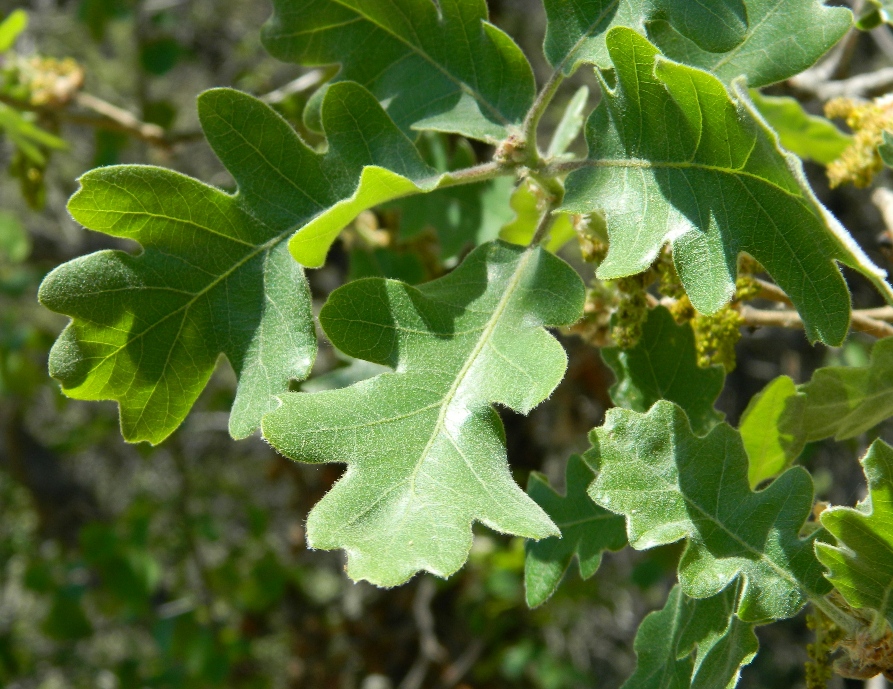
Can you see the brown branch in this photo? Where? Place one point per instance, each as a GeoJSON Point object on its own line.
{"type": "Point", "coordinates": [430, 649]}
{"type": "Point", "coordinates": [859, 321]}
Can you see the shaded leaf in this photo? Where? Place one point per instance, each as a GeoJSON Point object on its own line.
{"type": "Point", "coordinates": [809, 136]}
{"type": "Point", "coordinates": [424, 449]}
{"type": "Point", "coordinates": [730, 38]}
{"type": "Point", "coordinates": [886, 149]}
{"type": "Point", "coordinates": [438, 66]}
{"type": "Point", "coordinates": [586, 531]}
{"type": "Point", "coordinates": [215, 275]}
{"type": "Point", "coordinates": [673, 157]}
{"type": "Point", "coordinates": [844, 401]}
{"type": "Point", "coordinates": [664, 365]}
{"type": "Point", "coordinates": [861, 564]}
{"type": "Point", "coordinates": [693, 643]}
{"type": "Point", "coordinates": [671, 485]}
{"type": "Point", "coordinates": [772, 429]}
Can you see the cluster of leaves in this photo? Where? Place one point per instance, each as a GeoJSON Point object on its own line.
{"type": "Point", "coordinates": [682, 155]}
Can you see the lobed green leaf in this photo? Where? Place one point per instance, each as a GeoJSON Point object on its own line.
{"type": "Point", "coordinates": [671, 485]}
{"type": "Point", "coordinates": [586, 531]}
{"type": "Point", "coordinates": [674, 158]}
{"type": "Point", "coordinates": [441, 66]}
{"type": "Point", "coordinates": [214, 276]}
{"type": "Point", "coordinates": [424, 449]}
{"type": "Point", "coordinates": [730, 38]}
{"type": "Point", "coordinates": [861, 563]}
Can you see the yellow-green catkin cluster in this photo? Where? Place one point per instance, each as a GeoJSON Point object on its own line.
{"type": "Point", "coordinates": [42, 82]}
{"type": "Point", "coordinates": [819, 669]}
{"type": "Point", "coordinates": [860, 162]}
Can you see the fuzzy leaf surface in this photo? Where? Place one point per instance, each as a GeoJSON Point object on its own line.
{"type": "Point", "coordinates": [772, 429]}
{"type": "Point", "coordinates": [809, 136]}
{"type": "Point", "coordinates": [438, 66]}
{"type": "Point", "coordinates": [844, 401]}
{"type": "Point", "coordinates": [693, 644]}
{"type": "Point", "coordinates": [730, 38]}
{"type": "Point", "coordinates": [674, 158]}
{"type": "Point", "coordinates": [664, 365]}
{"type": "Point", "coordinates": [861, 564]}
{"type": "Point", "coordinates": [586, 531]}
{"type": "Point", "coordinates": [671, 485]}
{"type": "Point", "coordinates": [214, 276]}
{"type": "Point", "coordinates": [424, 449]}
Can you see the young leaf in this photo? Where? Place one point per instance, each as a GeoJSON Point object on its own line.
{"type": "Point", "coordinates": [586, 531]}
{"type": "Point", "coordinates": [810, 137]}
{"type": "Point", "coordinates": [10, 28]}
{"type": "Point", "coordinates": [772, 429]}
{"type": "Point", "coordinates": [844, 401]}
{"type": "Point", "coordinates": [438, 66]}
{"type": "Point", "coordinates": [674, 158]}
{"type": "Point", "coordinates": [861, 564]}
{"type": "Point", "coordinates": [664, 365]}
{"type": "Point", "coordinates": [526, 205]}
{"type": "Point", "coordinates": [215, 275]}
{"type": "Point", "coordinates": [571, 124]}
{"type": "Point", "coordinates": [671, 484]}
{"type": "Point", "coordinates": [730, 38]}
{"type": "Point", "coordinates": [424, 449]}
{"type": "Point", "coordinates": [704, 628]}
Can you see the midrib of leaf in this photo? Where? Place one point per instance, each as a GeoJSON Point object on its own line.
{"type": "Point", "coordinates": [747, 35]}
{"type": "Point", "coordinates": [587, 34]}
{"type": "Point", "coordinates": [587, 520]}
{"type": "Point", "coordinates": [197, 295]}
{"type": "Point", "coordinates": [421, 53]}
{"type": "Point", "coordinates": [762, 556]}
{"type": "Point", "coordinates": [448, 399]}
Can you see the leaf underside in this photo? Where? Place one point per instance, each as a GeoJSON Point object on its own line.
{"type": "Point", "coordinates": [214, 276]}
{"type": "Point", "coordinates": [424, 449]}
{"type": "Point", "coordinates": [671, 485]}
{"type": "Point", "coordinates": [674, 158]}
{"type": "Point", "coordinates": [586, 531]}
{"type": "Point", "coordinates": [861, 564]}
{"type": "Point", "coordinates": [693, 643]}
{"type": "Point", "coordinates": [438, 66]}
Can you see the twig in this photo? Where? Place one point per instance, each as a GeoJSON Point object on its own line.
{"type": "Point", "coordinates": [454, 673]}
{"type": "Point", "coordinates": [771, 292]}
{"type": "Point", "coordinates": [535, 114]}
{"type": "Point", "coordinates": [430, 649]}
{"type": "Point", "coordinates": [791, 319]}
{"type": "Point", "coordinates": [305, 82]}
{"type": "Point", "coordinates": [150, 133]}
{"type": "Point", "coordinates": [870, 83]}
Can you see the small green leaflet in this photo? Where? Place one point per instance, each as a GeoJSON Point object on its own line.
{"type": "Point", "coordinates": [706, 629]}
{"type": "Point", "coordinates": [674, 158]}
{"type": "Point", "coordinates": [664, 365]}
{"type": "Point", "coordinates": [215, 275]}
{"type": "Point", "coordinates": [10, 28]}
{"type": "Point", "coordinates": [438, 66]}
{"type": "Point", "coordinates": [861, 564]}
{"type": "Point", "coordinates": [730, 38]}
{"type": "Point", "coordinates": [809, 136]}
{"type": "Point", "coordinates": [586, 531]}
{"type": "Point", "coordinates": [424, 449]}
{"type": "Point", "coordinates": [772, 429]}
{"type": "Point", "coordinates": [671, 484]}
{"type": "Point", "coordinates": [527, 207]}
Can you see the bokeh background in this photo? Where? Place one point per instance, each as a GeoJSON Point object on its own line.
{"type": "Point", "coordinates": [184, 565]}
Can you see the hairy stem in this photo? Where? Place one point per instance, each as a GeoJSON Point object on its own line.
{"type": "Point", "coordinates": [849, 624]}
{"type": "Point", "coordinates": [535, 114]}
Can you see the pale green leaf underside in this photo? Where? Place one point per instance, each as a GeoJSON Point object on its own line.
{"type": "Point", "coordinates": [861, 564]}
{"type": "Point", "coordinates": [730, 38]}
{"type": "Point", "coordinates": [664, 365]}
{"type": "Point", "coordinates": [424, 449]}
{"type": "Point", "coordinates": [437, 66]}
{"type": "Point", "coordinates": [674, 158]}
{"type": "Point", "coordinates": [810, 137]}
{"type": "Point", "coordinates": [671, 485]}
{"type": "Point", "coordinates": [586, 531]}
{"type": "Point", "coordinates": [772, 429]}
{"type": "Point", "coordinates": [215, 276]}
{"type": "Point", "coordinates": [693, 643]}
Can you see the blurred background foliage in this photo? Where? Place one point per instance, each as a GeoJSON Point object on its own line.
{"type": "Point", "coordinates": [184, 565]}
